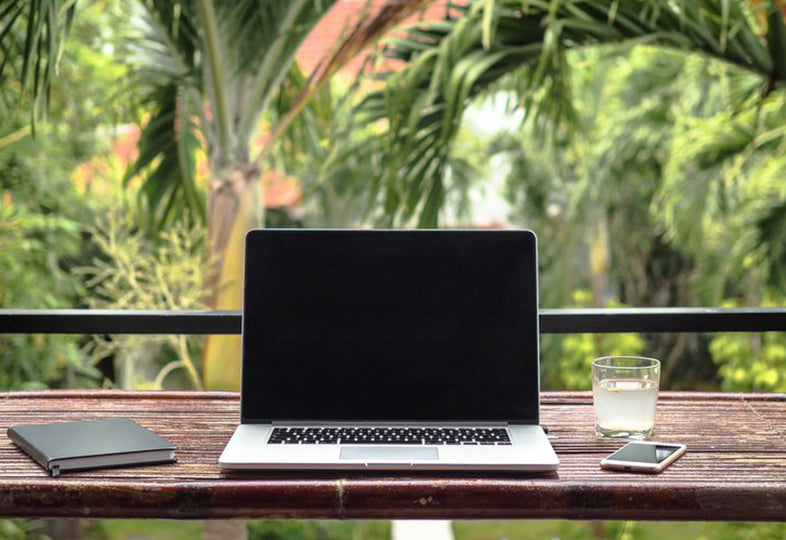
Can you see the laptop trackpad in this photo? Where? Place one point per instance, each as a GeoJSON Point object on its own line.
{"type": "Point", "coordinates": [383, 453]}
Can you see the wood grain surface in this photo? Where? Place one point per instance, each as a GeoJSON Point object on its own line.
{"type": "Point", "coordinates": [735, 468]}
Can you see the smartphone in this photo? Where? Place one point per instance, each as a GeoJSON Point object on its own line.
{"type": "Point", "coordinates": [643, 456]}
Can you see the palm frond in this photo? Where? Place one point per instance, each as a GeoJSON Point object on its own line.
{"type": "Point", "coordinates": [273, 31]}
{"type": "Point", "coordinates": [167, 157]}
{"type": "Point", "coordinates": [165, 52]}
{"type": "Point", "coordinates": [165, 44]}
{"type": "Point", "coordinates": [32, 36]}
{"type": "Point", "coordinates": [366, 31]}
{"type": "Point", "coordinates": [449, 62]}
{"type": "Point", "coordinates": [771, 237]}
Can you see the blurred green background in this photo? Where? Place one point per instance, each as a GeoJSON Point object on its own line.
{"type": "Point", "coordinates": [644, 142]}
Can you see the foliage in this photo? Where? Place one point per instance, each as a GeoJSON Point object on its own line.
{"type": "Point", "coordinates": [591, 196]}
{"type": "Point", "coordinates": [631, 530]}
{"type": "Point", "coordinates": [321, 151]}
{"type": "Point", "coordinates": [169, 156]}
{"type": "Point", "coordinates": [751, 362]}
{"type": "Point", "coordinates": [126, 529]}
{"type": "Point", "coordinates": [208, 70]}
{"type": "Point", "coordinates": [35, 50]}
{"type": "Point", "coordinates": [579, 191]}
{"type": "Point", "coordinates": [326, 150]}
{"type": "Point", "coordinates": [74, 85]}
{"type": "Point", "coordinates": [41, 227]}
{"type": "Point", "coordinates": [723, 195]}
{"type": "Point", "coordinates": [532, 530]}
{"type": "Point", "coordinates": [39, 242]}
{"type": "Point", "coordinates": [131, 272]}
{"type": "Point", "coordinates": [13, 529]}
{"type": "Point", "coordinates": [324, 530]}
{"type": "Point", "coordinates": [642, 207]}
{"type": "Point", "coordinates": [451, 61]}
{"type": "Point", "coordinates": [578, 351]}
{"type": "Point", "coordinates": [574, 366]}
{"type": "Point", "coordinates": [47, 208]}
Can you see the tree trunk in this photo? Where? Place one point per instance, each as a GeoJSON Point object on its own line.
{"type": "Point", "coordinates": [599, 261]}
{"type": "Point", "coordinates": [236, 205]}
{"type": "Point", "coordinates": [225, 529]}
{"type": "Point", "coordinates": [229, 197]}
{"type": "Point", "coordinates": [599, 269]}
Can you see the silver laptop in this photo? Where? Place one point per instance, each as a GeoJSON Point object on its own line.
{"type": "Point", "coordinates": [390, 349]}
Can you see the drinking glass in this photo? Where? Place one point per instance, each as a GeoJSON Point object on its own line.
{"type": "Point", "coordinates": [625, 392]}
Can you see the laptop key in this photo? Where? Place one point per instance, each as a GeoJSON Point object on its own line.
{"type": "Point", "coordinates": [387, 435]}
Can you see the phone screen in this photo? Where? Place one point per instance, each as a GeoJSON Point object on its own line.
{"type": "Point", "coordinates": [644, 453]}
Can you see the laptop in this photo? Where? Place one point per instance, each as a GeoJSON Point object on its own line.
{"type": "Point", "coordinates": [390, 349]}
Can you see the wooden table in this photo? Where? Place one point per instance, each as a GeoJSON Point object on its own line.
{"type": "Point", "coordinates": [735, 467]}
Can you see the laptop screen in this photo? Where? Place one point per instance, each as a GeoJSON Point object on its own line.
{"type": "Point", "coordinates": [372, 325]}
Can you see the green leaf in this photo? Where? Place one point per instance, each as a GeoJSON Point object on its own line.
{"type": "Point", "coordinates": [32, 36]}
{"type": "Point", "coordinates": [167, 154]}
{"type": "Point", "coordinates": [776, 40]}
{"type": "Point", "coordinates": [488, 22]}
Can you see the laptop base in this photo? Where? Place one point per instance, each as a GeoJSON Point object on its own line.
{"type": "Point", "coordinates": [248, 450]}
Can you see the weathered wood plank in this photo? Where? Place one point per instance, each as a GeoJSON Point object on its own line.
{"type": "Point", "coordinates": [735, 467]}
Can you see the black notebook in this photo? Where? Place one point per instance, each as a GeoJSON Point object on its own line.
{"type": "Point", "coordinates": [70, 446]}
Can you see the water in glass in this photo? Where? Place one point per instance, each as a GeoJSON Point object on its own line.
{"type": "Point", "coordinates": [625, 407]}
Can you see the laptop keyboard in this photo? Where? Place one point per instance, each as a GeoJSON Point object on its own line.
{"type": "Point", "coordinates": [389, 435]}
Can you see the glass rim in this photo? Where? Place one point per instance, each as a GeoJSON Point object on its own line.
{"type": "Point", "coordinates": [649, 363]}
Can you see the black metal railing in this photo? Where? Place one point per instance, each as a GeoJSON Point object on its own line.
{"type": "Point", "coordinates": [552, 321]}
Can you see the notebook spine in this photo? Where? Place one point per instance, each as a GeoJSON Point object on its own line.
{"type": "Point", "coordinates": [31, 450]}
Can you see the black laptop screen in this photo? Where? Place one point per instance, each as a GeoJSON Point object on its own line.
{"type": "Point", "coordinates": [390, 325]}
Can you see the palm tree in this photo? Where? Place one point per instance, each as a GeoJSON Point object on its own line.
{"type": "Point", "coordinates": [482, 45]}
{"type": "Point", "coordinates": [209, 70]}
